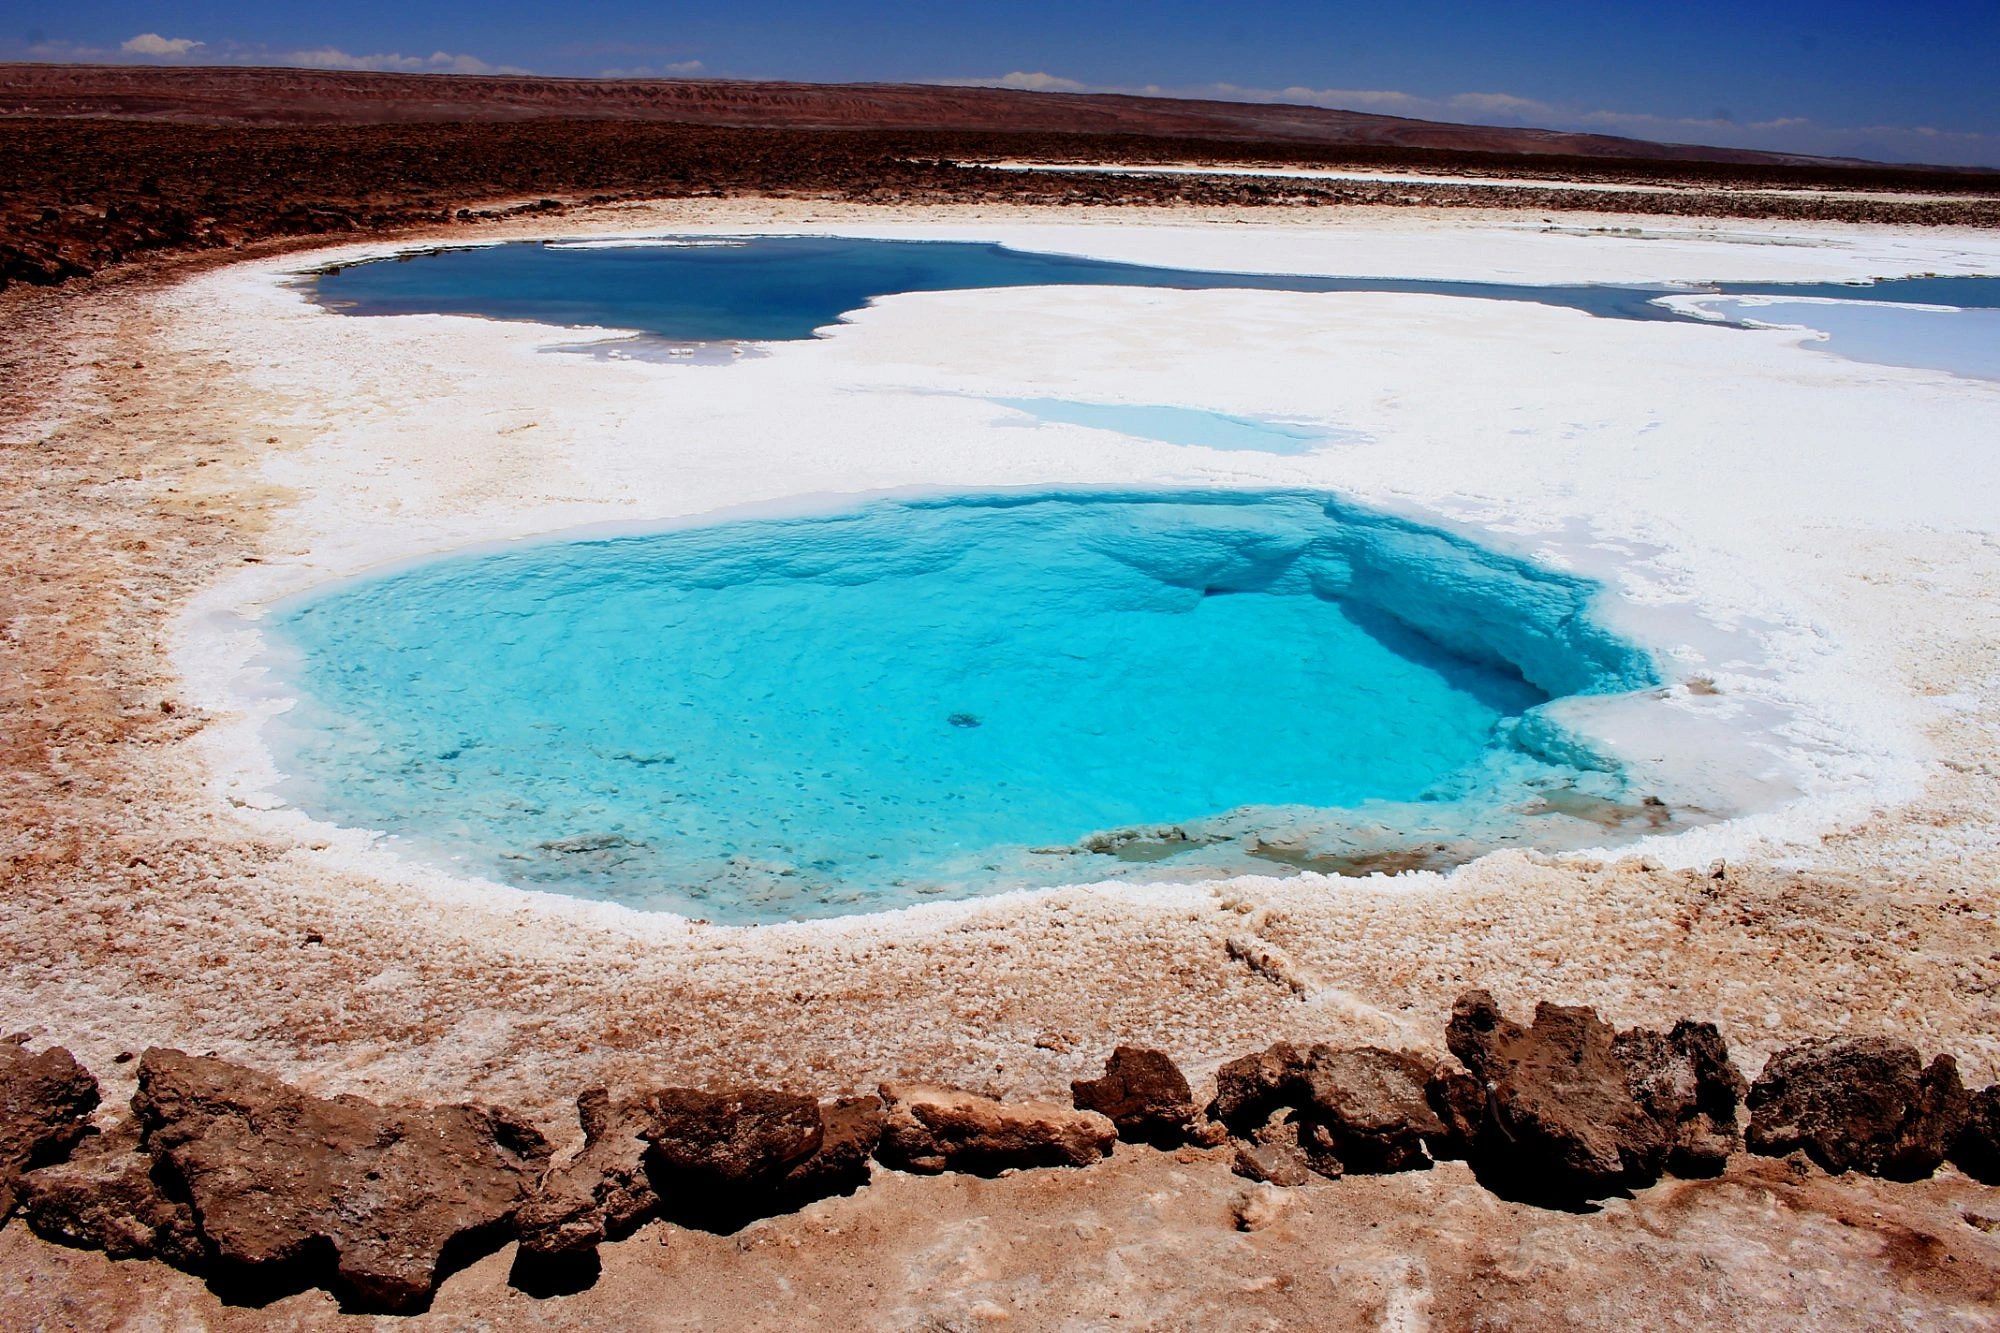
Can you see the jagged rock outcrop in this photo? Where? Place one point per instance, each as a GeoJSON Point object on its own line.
{"type": "Point", "coordinates": [1144, 1094]}
{"type": "Point", "coordinates": [740, 1138]}
{"type": "Point", "coordinates": [852, 1132]}
{"type": "Point", "coordinates": [1686, 1081]}
{"type": "Point", "coordinates": [45, 1106]}
{"type": "Point", "coordinates": [1976, 1150]}
{"type": "Point", "coordinates": [1281, 1151]}
{"type": "Point", "coordinates": [1327, 1111]}
{"type": "Point", "coordinates": [285, 1185]}
{"type": "Point", "coordinates": [1366, 1107]}
{"type": "Point", "coordinates": [599, 1194]}
{"type": "Point", "coordinates": [1558, 1122]}
{"type": "Point", "coordinates": [105, 1198]}
{"type": "Point", "coordinates": [708, 1159]}
{"type": "Point", "coordinates": [1858, 1104]}
{"type": "Point", "coordinates": [932, 1129]}
{"type": "Point", "coordinates": [1249, 1088]}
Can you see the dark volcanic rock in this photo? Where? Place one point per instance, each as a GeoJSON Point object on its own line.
{"type": "Point", "coordinates": [45, 1106]}
{"type": "Point", "coordinates": [1144, 1093]}
{"type": "Point", "coordinates": [853, 1130]}
{"type": "Point", "coordinates": [1366, 1107]}
{"type": "Point", "coordinates": [1559, 1123]}
{"type": "Point", "coordinates": [1362, 1110]}
{"type": "Point", "coordinates": [284, 1184]}
{"type": "Point", "coordinates": [1249, 1088]}
{"type": "Point", "coordinates": [743, 1137]}
{"type": "Point", "coordinates": [601, 1193]}
{"type": "Point", "coordinates": [1858, 1104]}
{"type": "Point", "coordinates": [1976, 1151]}
{"type": "Point", "coordinates": [1686, 1081]}
{"type": "Point", "coordinates": [105, 1198]}
{"type": "Point", "coordinates": [932, 1129]}
{"type": "Point", "coordinates": [1279, 1152]}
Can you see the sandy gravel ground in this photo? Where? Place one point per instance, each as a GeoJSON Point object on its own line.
{"type": "Point", "coordinates": [138, 906]}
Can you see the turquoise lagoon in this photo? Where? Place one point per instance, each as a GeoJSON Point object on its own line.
{"type": "Point", "coordinates": [772, 719]}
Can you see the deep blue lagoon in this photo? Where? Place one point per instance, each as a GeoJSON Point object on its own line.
{"type": "Point", "coordinates": [783, 288]}
{"type": "Point", "coordinates": [782, 718]}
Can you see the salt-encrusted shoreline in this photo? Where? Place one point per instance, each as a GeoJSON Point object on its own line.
{"type": "Point", "coordinates": [1786, 722]}
{"type": "Point", "coordinates": [161, 454]}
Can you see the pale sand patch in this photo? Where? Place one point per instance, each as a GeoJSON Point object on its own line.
{"type": "Point", "coordinates": [1848, 506]}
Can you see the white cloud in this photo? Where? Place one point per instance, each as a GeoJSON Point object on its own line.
{"type": "Point", "coordinates": [1499, 104]}
{"type": "Point", "coordinates": [438, 62]}
{"type": "Point", "coordinates": [1036, 82]}
{"type": "Point", "coordinates": [152, 44]}
{"type": "Point", "coordinates": [680, 69]}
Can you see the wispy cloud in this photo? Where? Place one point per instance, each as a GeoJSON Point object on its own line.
{"type": "Point", "coordinates": [437, 62]}
{"type": "Point", "coordinates": [152, 44]}
{"type": "Point", "coordinates": [150, 48]}
{"type": "Point", "coordinates": [1787, 134]}
{"type": "Point", "coordinates": [679, 69]}
{"type": "Point", "coordinates": [1034, 82]}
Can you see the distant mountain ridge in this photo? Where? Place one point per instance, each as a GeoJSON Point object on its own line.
{"type": "Point", "coordinates": [273, 96]}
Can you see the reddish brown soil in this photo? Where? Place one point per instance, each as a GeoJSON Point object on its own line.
{"type": "Point", "coordinates": [78, 195]}
{"type": "Point", "coordinates": [296, 96]}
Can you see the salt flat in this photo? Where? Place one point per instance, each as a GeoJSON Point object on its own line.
{"type": "Point", "coordinates": [1813, 537]}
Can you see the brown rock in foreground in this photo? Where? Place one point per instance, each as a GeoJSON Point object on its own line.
{"type": "Point", "coordinates": [45, 1106]}
{"type": "Point", "coordinates": [1559, 1122]}
{"type": "Point", "coordinates": [852, 1131]}
{"type": "Point", "coordinates": [1143, 1093]}
{"type": "Point", "coordinates": [932, 1129]}
{"type": "Point", "coordinates": [1858, 1104]}
{"type": "Point", "coordinates": [286, 1185]}
{"type": "Point", "coordinates": [600, 1194]}
{"type": "Point", "coordinates": [1976, 1151]}
{"type": "Point", "coordinates": [105, 1198]}
{"type": "Point", "coordinates": [1249, 1088]}
{"type": "Point", "coordinates": [740, 1138]}
{"type": "Point", "coordinates": [1367, 1106]}
{"type": "Point", "coordinates": [1330, 1111]}
{"type": "Point", "coordinates": [1686, 1081]}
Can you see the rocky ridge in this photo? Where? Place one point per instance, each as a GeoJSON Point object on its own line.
{"type": "Point", "coordinates": [265, 1189]}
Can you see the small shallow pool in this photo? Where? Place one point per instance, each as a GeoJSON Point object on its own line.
{"type": "Point", "coordinates": [775, 719]}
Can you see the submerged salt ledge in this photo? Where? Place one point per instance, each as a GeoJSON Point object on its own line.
{"type": "Point", "coordinates": [1630, 442]}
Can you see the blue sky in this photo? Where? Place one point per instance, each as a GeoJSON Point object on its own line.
{"type": "Point", "coordinates": [1907, 82]}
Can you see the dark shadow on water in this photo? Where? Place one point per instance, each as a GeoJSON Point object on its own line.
{"type": "Point", "coordinates": [1495, 684]}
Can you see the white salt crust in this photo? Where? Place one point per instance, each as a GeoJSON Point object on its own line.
{"type": "Point", "coordinates": [1709, 475]}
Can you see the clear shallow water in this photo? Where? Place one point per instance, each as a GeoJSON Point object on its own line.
{"type": "Point", "coordinates": [691, 295]}
{"type": "Point", "coordinates": [1960, 341]}
{"type": "Point", "coordinates": [773, 719]}
{"type": "Point", "coordinates": [778, 288]}
{"type": "Point", "coordinates": [1179, 425]}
